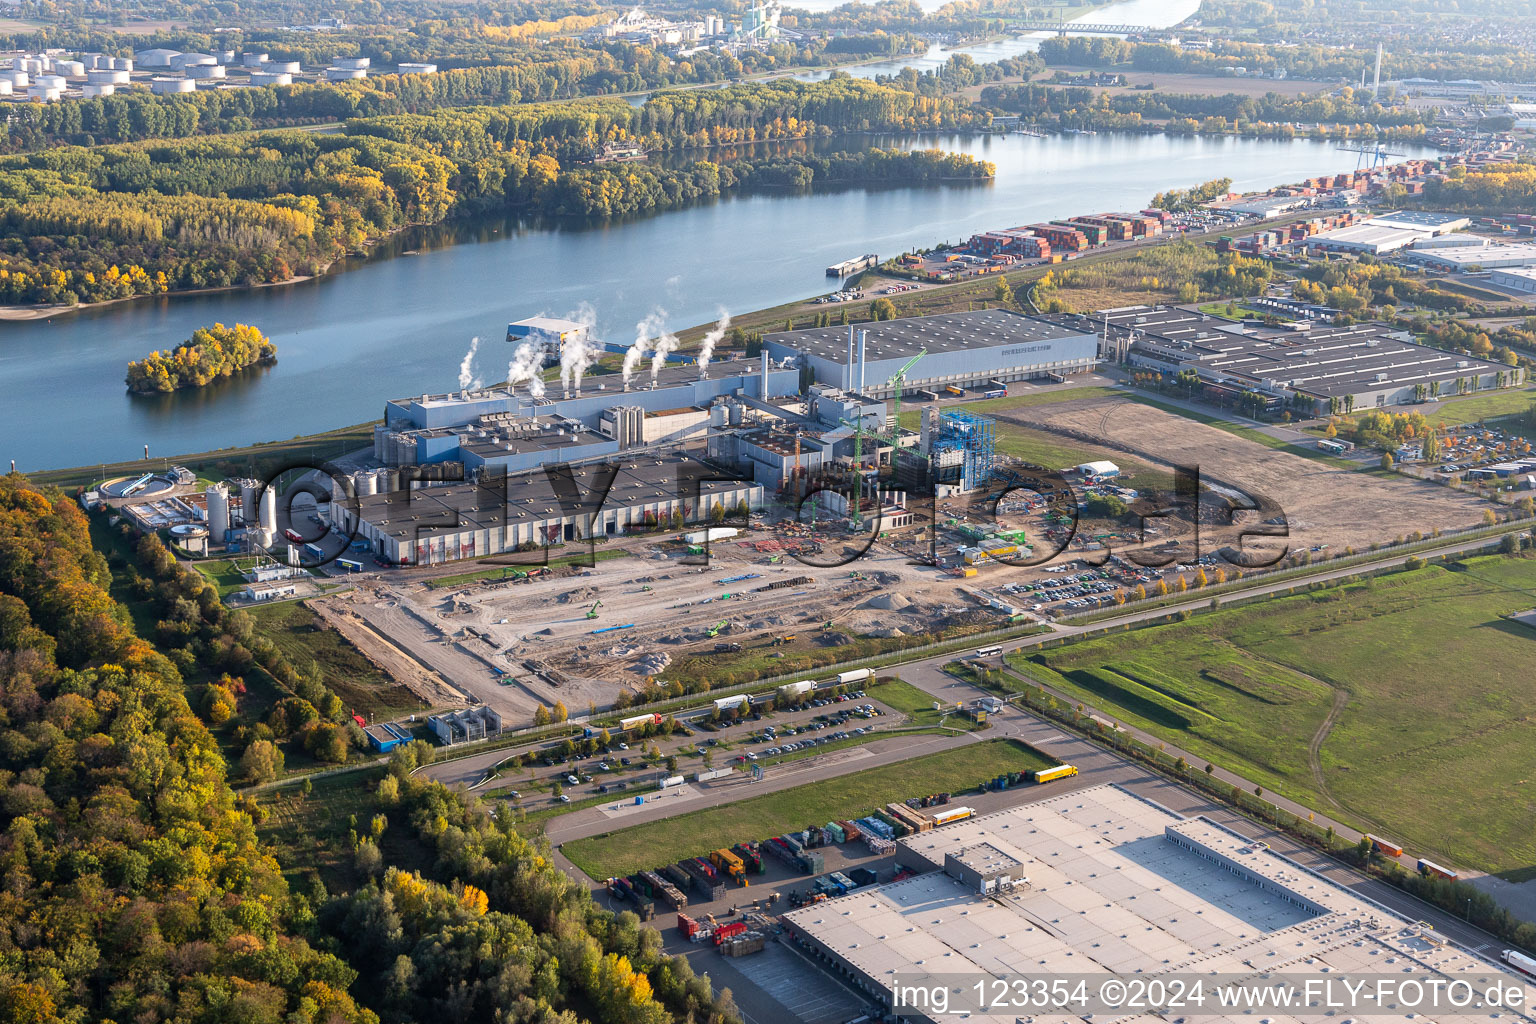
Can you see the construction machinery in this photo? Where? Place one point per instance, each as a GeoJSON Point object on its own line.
{"type": "Point", "coordinates": [719, 627]}
{"type": "Point", "coordinates": [897, 383]}
{"type": "Point", "coordinates": [592, 612]}
{"type": "Point", "coordinates": [858, 469]}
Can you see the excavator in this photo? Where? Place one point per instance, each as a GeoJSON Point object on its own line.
{"type": "Point", "coordinates": [716, 629]}
{"type": "Point", "coordinates": [592, 612]}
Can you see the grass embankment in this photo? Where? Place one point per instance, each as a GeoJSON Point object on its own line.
{"type": "Point", "coordinates": [260, 461]}
{"type": "Point", "coordinates": [1385, 703]}
{"type": "Point", "coordinates": [690, 835]}
{"type": "Point", "coordinates": [300, 635]}
{"type": "Point", "coordinates": [496, 571]}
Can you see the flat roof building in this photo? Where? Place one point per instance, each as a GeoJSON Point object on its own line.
{"type": "Point", "coordinates": [1516, 279]}
{"type": "Point", "coordinates": [1488, 257]}
{"type": "Point", "coordinates": [1320, 368]}
{"type": "Point", "coordinates": [495, 514]}
{"type": "Point", "coordinates": [963, 349]}
{"type": "Point", "coordinates": [1099, 884]}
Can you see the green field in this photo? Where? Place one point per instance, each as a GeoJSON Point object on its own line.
{"type": "Point", "coordinates": [690, 835]}
{"type": "Point", "coordinates": [299, 634]}
{"type": "Point", "coordinates": [1475, 408]}
{"type": "Point", "coordinates": [1436, 689]}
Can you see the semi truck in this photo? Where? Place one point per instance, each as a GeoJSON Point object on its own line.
{"type": "Point", "coordinates": [857, 675]}
{"type": "Point", "coordinates": [1061, 771]}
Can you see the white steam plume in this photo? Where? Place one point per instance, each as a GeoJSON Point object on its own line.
{"type": "Point", "coordinates": [644, 330]}
{"type": "Point", "coordinates": [467, 378]}
{"type": "Point", "coordinates": [579, 353]}
{"type": "Point", "coordinates": [711, 339]}
{"type": "Point", "coordinates": [666, 344]}
{"type": "Point", "coordinates": [527, 363]}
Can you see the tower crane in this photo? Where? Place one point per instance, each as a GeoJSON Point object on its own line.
{"type": "Point", "coordinates": [858, 468]}
{"type": "Point", "coordinates": [899, 381]}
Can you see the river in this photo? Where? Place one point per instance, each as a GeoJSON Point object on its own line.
{"type": "Point", "coordinates": [397, 324]}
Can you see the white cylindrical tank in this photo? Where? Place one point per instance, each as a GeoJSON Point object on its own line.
{"type": "Point", "coordinates": [122, 63]}
{"type": "Point", "coordinates": [218, 512]}
{"type": "Point", "coordinates": [171, 86]}
{"type": "Point", "coordinates": [267, 78]}
{"type": "Point", "coordinates": [107, 76]}
{"type": "Point", "coordinates": [250, 496]}
{"type": "Point", "coordinates": [717, 417]}
{"type": "Point", "coordinates": [282, 67]}
{"type": "Point", "coordinates": [268, 519]}
{"type": "Point", "coordinates": [345, 74]}
{"type": "Point", "coordinates": [224, 56]}
{"type": "Point", "coordinates": [735, 413]}
{"type": "Point", "coordinates": [5, 87]}
{"type": "Point", "coordinates": [205, 71]}
{"type": "Point", "coordinates": [350, 63]}
{"type": "Point", "coordinates": [253, 60]}
{"type": "Point", "coordinates": [70, 68]}
{"type": "Point", "coordinates": [366, 483]}
{"type": "Point", "coordinates": [44, 93]}
{"type": "Point", "coordinates": [17, 77]}
{"type": "Point", "coordinates": [90, 90]}
{"type": "Point", "coordinates": [418, 69]}
{"type": "Point", "coordinates": [53, 81]}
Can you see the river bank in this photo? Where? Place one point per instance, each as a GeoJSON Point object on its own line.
{"type": "Point", "coordinates": [378, 327]}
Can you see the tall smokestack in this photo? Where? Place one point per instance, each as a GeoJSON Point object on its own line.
{"type": "Point", "coordinates": [763, 392]}
{"type": "Point", "coordinates": [1376, 87]}
{"type": "Point", "coordinates": [849, 382]}
{"type": "Point", "coordinates": [863, 349]}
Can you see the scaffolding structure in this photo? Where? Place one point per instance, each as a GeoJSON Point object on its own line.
{"type": "Point", "coordinates": [974, 436]}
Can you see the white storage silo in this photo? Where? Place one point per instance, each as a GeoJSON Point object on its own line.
{"type": "Point", "coordinates": [367, 483]}
{"type": "Point", "coordinates": [218, 513]}
{"type": "Point", "coordinates": [268, 518]}
{"type": "Point", "coordinates": [250, 497]}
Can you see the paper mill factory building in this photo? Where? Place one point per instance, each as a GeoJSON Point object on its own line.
{"type": "Point", "coordinates": [963, 349]}
{"type": "Point", "coordinates": [493, 515]}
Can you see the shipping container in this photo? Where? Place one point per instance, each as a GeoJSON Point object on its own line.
{"type": "Point", "coordinates": [1429, 867]}
{"type": "Point", "coordinates": [1385, 846]}
{"type": "Point", "coordinates": [951, 814]}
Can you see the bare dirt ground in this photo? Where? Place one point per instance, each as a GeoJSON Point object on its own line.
{"type": "Point", "coordinates": [1323, 505]}
{"type": "Point", "coordinates": [516, 646]}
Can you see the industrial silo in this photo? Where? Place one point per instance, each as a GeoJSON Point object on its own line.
{"type": "Point", "coordinates": [268, 517]}
{"type": "Point", "coordinates": [366, 483]}
{"type": "Point", "coordinates": [218, 513]}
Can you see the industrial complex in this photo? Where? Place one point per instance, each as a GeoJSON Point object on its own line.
{"type": "Point", "coordinates": [1304, 365]}
{"type": "Point", "coordinates": [1101, 883]}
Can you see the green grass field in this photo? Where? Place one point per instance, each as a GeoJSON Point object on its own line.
{"type": "Point", "coordinates": [690, 835]}
{"type": "Point", "coordinates": [1434, 744]}
{"type": "Point", "coordinates": [1475, 408]}
{"type": "Point", "coordinates": [299, 634]}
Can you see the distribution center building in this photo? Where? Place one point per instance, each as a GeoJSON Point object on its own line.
{"type": "Point", "coordinates": [962, 349]}
{"type": "Point", "coordinates": [1102, 883]}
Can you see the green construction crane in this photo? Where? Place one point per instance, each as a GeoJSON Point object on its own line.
{"type": "Point", "coordinates": [858, 468]}
{"type": "Point", "coordinates": [899, 381]}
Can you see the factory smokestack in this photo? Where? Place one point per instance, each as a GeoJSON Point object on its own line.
{"type": "Point", "coordinates": [849, 382]}
{"type": "Point", "coordinates": [863, 350]}
{"type": "Point", "coordinates": [763, 387]}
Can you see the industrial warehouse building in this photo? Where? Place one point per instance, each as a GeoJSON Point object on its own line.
{"type": "Point", "coordinates": [1101, 883]}
{"type": "Point", "coordinates": [505, 429]}
{"type": "Point", "coordinates": [961, 349]}
{"type": "Point", "coordinates": [1460, 259]}
{"type": "Point", "coordinates": [493, 515]}
{"type": "Point", "coordinates": [1315, 368]}
{"type": "Point", "coordinates": [1391, 232]}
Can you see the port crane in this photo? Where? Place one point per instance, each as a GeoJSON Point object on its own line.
{"type": "Point", "coordinates": [1375, 150]}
